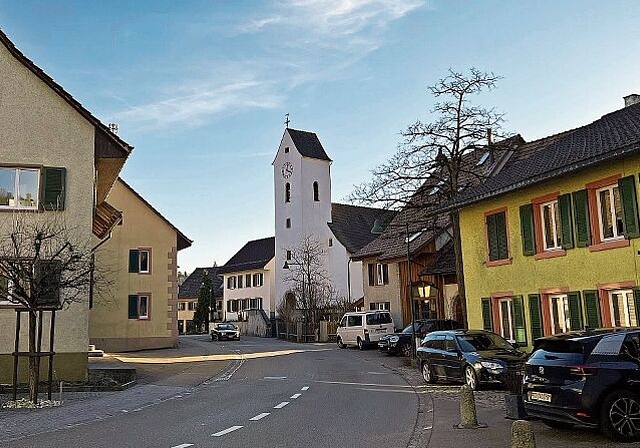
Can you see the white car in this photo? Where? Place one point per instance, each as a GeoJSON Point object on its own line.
{"type": "Point", "coordinates": [363, 328]}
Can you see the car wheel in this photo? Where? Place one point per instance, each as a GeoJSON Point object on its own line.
{"type": "Point", "coordinates": [426, 373]}
{"type": "Point", "coordinates": [406, 350]}
{"type": "Point", "coordinates": [556, 424]}
{"type": "Point", "coordinates": [340, 344]}
{"type": "Point", "coordinates": [360, 344]}
{"type": "Point", "coordinates": [620, 416]}
{"type": "Point", "coordinates": [214, 337]}
{"type": "Point", "coordinates": [470, 378]}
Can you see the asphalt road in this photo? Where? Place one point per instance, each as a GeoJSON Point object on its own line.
{"type": "Point", "coordinates": [318, 397]}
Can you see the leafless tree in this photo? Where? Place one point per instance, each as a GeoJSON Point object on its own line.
{"type": "Point", "coordinates": [44, 264]}
{"type": "Point", "coordinates": [438, 160]}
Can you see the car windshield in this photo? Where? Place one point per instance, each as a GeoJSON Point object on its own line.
{"type": "Point", "coordinates": [225, 327]}
{"type": "Point", "coordinates": [472, 342]}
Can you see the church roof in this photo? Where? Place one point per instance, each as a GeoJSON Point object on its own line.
{"type": "Point", "coordinates": [351, 224]}
{"type": "Point", "coordinates": [253, 255]}
{"type": "Point", "coordinates": [308, 144]}
{"type": "Point", "coordinates": [191, 286]}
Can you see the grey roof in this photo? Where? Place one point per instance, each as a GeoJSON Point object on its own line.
{"type": "Point", "coordinates": [445, 262]}
{"type": "Point", "coordinates": [253, 255]}
{"type": "Point", "coordinates": [308, 144]}
{"type": "Point", "coordinates": [351, 224]}
{"type": "Point", "coordinates": [190, 288]}
{"type": "Point", "coordinates": [613, 136]}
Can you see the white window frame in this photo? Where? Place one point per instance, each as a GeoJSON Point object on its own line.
{"type": "Point", "coordinates": [380, 306]}
{"type": "Point", "coordinates": [258, 279]}
{"type": "Point", "coordinates": [510, 335]}
{"type": "Point", "coordinates": [182, 306]}
{"type": "Point", "coordinates": [146, 298]}
{"type": "Point", "coordinates": [563, 313]}
{"type": "Point", "coordinates": [628, 297]}
{"type": "Point", "coordinates": [140, 270]}
{"type": "Point", "coordinates": [16, 189]}
{"type": "Point", "coordinates": [612, 213]}
{"type": "Point", "coordinates": [379, 274]}
{"type": "Point", "coordinates": [555, 226]}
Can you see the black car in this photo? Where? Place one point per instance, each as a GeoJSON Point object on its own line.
{"type": "Point", "coordinates": [401, 342]}
{"type": "Point", "coordinates": [474, 357]}
{"type": "Point", "coordinates": [591, 378]}
{"type": "Point", "coordinates": [225, 331]}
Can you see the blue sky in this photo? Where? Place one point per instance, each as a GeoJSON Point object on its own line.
{"type": "Point", "coordinates": [200, 88]}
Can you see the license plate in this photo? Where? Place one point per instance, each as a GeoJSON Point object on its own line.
{"type": "Point", "coordinates": [540, 396]}
{"type": "Point", "coordinates": [381, 330]}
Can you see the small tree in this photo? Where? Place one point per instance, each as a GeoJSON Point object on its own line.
{"type": "Point", "coordinates": [203, 310]}
{"type": "Point", "coordinates": [44, 265]}
{"type": "Point", "coordinates": [435, 161]}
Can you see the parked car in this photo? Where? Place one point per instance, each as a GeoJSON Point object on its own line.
{"type": "Point", "coordinates": [475, 357]}
{"type": "Point", "coordinates": [363, 328]}
{"type": "Point", "coordinates": [400, 342]}
{"type": "Point", "coordinates": [591, 378]}
{"type": "Point", "coordinates": [225, 330]}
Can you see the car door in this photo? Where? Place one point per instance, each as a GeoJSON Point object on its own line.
{"type": "Point", "coordinates": [452, 358]}
{"type": "Point", "coordinates": [436, 357]}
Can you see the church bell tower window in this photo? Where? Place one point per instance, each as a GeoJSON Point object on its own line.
{"type": "Point", "coordinates": [316, 193]}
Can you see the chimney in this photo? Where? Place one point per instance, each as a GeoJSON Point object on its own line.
{"type": "Point", "coordinates": [632, 99]}
{"type": "Point", "coordinates": [489, 142]}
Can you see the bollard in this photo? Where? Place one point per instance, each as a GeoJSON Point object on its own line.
{"type": "Point", "coordinates": [468, 417]}
{"type": "Point", "coordinates": [522, 435]}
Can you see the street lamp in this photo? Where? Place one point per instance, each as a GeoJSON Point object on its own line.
{"type": "Point", "coordinates": [378, 229]}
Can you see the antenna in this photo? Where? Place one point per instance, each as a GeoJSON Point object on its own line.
{"type": "Point", "coordinates": [113, 127]}
{"type": "Point", "coordinates": [286, 120]}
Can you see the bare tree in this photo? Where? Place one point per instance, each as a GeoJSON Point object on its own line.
{"type": "Point", "coordinates": [438, 160]}
{"type": "Point", "coordinates": [309, 281]}
{"type": "Point", "coordinates": [43, 265]}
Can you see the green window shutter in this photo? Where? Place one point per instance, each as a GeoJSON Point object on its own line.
{"type": "Point", "coordinates": [54, 188]}
{"type": "Point", "coordinates": [492, 237]}
{"type": "Point", "coordinates": [627, 187]}
{"type": "Point", "coordinates": [592, 308]}
{"type": "Point", "coordinates": [636, 300]}
{"type": "Point", "coordinates": [518, 320]}
{"type": "Point", "coordinates": [133, 307]}
{"type": "Point", "coordinates": [566, 223]}
{"type": "Point", "coordinates": [575, 310]}
{"type": "Point", "coordinates": [581, 215]}
{"type": "Point", "coordinates": [134, 260]}
{"type": "Point", "coordinates": [501, 228]}
{"type": "Point", "coordinates": [487, 318]}
{"type": "Point", "coordinates": [535, 314]}
{"type": "Point", "coordinates": [527, 230]}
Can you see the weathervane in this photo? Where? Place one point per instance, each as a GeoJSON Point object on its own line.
{"type": "Point", "coordinates": [286, 120]}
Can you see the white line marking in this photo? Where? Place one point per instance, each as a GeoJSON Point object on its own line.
{"type": "Point", "coordinates": [226, 431]}
{"type": "Point", "coordinates": [377, 373]}
{"type": "Point", "coordinates": [260, 416]}
{"type": "Point", "coordinates": [305, 388]}
{"type": "Point", "coordinates": [184, 445]}
{"type": "Point", "coordinates": [294, 396]}
{"type": "Point", "coordinates": [281, 405]}
{"type": "Point", "coordinates": [275, 377]}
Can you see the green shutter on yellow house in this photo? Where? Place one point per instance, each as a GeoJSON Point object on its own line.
{"type": "Point", "coordinates": [501, 233]}
{"type": "Point", "coordinates": [133, 307]}
{"type": "Point", "coordinates": [527, 230]}
{"type": "Point", "coordinates": [487, 320]}
{"type": "Point", "coordinates": [518, 320]}
{"type": "Point", "coordinates": [575, 310]}
{"type": "Point", "coordinates": [492, 236]}
{"type": "Point", "coordinates": [581, 215]}
{"type": "Point", "coordinates": [636, 300]}
{"type": "Point", "coordinates": [627, 187]}
{"type": "Point", "coordinates": [564, 205]}
{"type": "Point", "coordinates": [592, 308]}
{"type": "Point", "coordinates": [535, 314]}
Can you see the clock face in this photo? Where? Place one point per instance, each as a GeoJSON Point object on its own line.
{"type": "Point", "coordinates": [287, 170]}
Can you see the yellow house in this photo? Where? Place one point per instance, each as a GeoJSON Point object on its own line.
{"type": "Point", "coordinates": [550, 243]}
{"type": "Point", "coordinates": [141, 309]}
{"type": "Point", "coordinates": [50, 140]}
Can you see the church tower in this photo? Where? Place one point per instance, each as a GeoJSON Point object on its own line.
{"type": "Point", "coordinates": [302, 193]}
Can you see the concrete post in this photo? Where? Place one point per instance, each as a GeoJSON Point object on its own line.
{"type": "Point", "coordinates": [468, 417]}
{"type": "Point", "coordinates": [522, 435]}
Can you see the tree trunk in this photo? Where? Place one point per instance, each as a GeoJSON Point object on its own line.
{"type": "Point", "coordinates": [457, 247]}
{"type": "Point", "coordinates": [34, 361]}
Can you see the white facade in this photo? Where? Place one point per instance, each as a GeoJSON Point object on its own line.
{"type": "Point", "coordinates": [238, 299]}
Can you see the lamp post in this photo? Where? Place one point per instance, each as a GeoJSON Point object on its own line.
{"type": "Point", "coordinates": [377, 229]}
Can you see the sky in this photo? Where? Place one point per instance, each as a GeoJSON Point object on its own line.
{"type": "Point", "coordinates": [201, 88]}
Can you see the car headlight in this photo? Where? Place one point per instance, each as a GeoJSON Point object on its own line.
{"type": "Point", "coordinates": [394, 338]}
{"type": "Point", "coordinates": [491, 365]}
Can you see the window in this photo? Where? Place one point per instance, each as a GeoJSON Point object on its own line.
{"type": "Point", "coordinates": [316, 193]}
{"type": "Point", "coordinates": [19, 188]}
{"type": "Point", "coordinates": [239, 282]}
{"type": "Point", "coordinates": [140, 261]}
{"type": "Point", "coordinates": [559, 311]}
{"type": "Point", "coordinates": [231, 282]}
{"type": "Point", "coordinates": [288, 223]}
{"type": "Point", "coordinates": [354, 321]}
{"type": "Point", "coordinates": [288, 255]}
{"type": "Point", "coordinates": [287, 192]}
{"type": "Point", "coordinates": [139, 306]}
{"type": "Point", "coordinates": [622, 308]}
{"type": "Point", "coordinates": [286, 149]}
{"type": "Point", "coordinates": [255, 303]}
{"type": "Point", "coordinates": [496, 226]}
{"type": "Point", "coordinates": [247, 280]}
{"type": "Point", "coordinates": [380, 306]}
{"type": "Point", "coordinates": [192, 306]}
{"type": "Point", "coordinates": [610, 215]}
{"type": "Point", "coordinates": [378, 274]}
{"type": "Point", "coordinates": [506, 319]}
{"type": "Point", "coordinates": [232, 306]}
{"type": "Point", "coordinates": [550, 218]}
{"type": "Point", "coordinates": [258, 279]}
{"type": "Point", "coordinates": [330, 242]}
{"type": "Point", "coordinates": [181, 306]}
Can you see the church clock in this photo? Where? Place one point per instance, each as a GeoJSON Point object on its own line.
{"type": "Point", "coordinates": [287, 170]}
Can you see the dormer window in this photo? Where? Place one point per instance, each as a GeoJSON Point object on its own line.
{"type": "Point", "coordinates": [316, 193]}
{"type": "Point", "coordinates": [287, 192]}
{"type": "Point", "coordinates": [286, 150]}
{"type": "Point", "coordinates": [483, 158]}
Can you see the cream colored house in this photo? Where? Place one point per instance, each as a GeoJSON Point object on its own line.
{"type": "Point", "coordinates": [48, 139]}
{"type": "Point", "coordinates": [141, 310]}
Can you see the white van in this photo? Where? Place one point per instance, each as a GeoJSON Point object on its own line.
{"type": "Point", "coordinates": [363, 328]}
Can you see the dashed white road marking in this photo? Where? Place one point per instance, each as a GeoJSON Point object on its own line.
{"type": "Point", "coordinates": [377, 373]}
{"type": "Point", "coordinates": [305, 388]}
{"type": "Point", "coordinates": [184, 445]}
{"type": "Point", "coordinates": [275, 377]}
{"type": "Point", "coordinates": [226, 431]}
{"type": "Point", "coordinates": [294, 396]}
{"type": "Point", "coordinates": [281, 405]}
{"type": "Point", "coordinates": [259, 416]}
